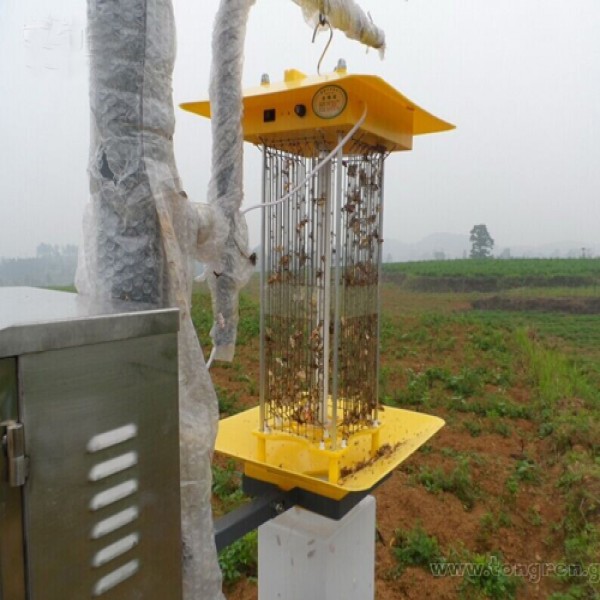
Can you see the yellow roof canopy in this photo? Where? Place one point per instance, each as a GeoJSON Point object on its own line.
{"type": "Point", "coordinates": [303, 112]}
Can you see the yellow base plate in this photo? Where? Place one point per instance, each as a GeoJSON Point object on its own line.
{"type": "Point", "coordinates": [290, 461]}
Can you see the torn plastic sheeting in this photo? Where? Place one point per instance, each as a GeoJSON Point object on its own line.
{"type": "Point", "coordinates": [346, 16]}
{"type": "Point", "coordinates": [141, 233]}
{"type": "Point", "coordinates": [230, 272]}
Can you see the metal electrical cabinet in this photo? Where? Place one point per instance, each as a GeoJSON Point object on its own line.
{"type": "Point", "coordinates": [89, 490]}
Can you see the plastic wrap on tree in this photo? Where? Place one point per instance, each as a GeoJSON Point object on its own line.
{"type": "Point", "coordinates": [233, 268]}
{"type": "Point", "coordinates": [346, 16]}
{"type": "Point", "coordinates": [122, 232]}
{"type": "Point", "coordinates": [141, 233]}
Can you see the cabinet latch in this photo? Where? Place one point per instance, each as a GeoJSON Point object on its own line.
{"type": "Point", "coordinates": [13, 445]}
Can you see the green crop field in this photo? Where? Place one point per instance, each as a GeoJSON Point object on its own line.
{"type": "Point", "coordinates": [487, 275]}
{"type": "Point", "coordinates": [512, 482]}
{"type": "Point", "coordinates": [516, 267]}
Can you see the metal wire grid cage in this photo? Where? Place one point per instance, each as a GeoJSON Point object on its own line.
{"type": "Point", "coordinates": [320, 268]}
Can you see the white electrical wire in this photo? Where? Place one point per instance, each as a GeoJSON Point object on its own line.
{"type": "Point", "coordinates": [326, 160]}
{"type": "Point", "coordinates": [211, 358]}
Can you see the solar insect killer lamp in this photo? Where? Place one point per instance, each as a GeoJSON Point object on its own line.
{"type": "Point", "coordinates": [319, 426]}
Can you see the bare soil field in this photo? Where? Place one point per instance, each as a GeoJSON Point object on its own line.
{"type": "Point", "coordinates": [511, 483]}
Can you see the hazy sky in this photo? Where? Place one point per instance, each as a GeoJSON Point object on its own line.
{"type": "Point", "coordinates": [519, 78]}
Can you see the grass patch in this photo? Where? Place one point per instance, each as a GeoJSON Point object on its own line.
{"type": "Point", "coordinates": [568, 403]}
{"type": "Point", "coordinates": [578, 332]}
{"type": "Point", "coordinates": [458, 481]}
{"type": "Point", "coordinates": [492, 406]}
{"type": "Point", "coordinates": [483, 575]}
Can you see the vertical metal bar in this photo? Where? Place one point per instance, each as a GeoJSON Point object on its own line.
{"type": "Point", "coordinates": [318, 232]}
{"type": "Point", "coordinates": [337, 290]}
{"type": "Point", "coordinates": [315, 285]}
{"type": "Point", "coordinates": [325, 188]}
{"type": "Point", "coordinates": [379, 275]}
{"type": "Point", "coordinates": [285, 266]}
{"type": "Point", "coordinates": [263, 255]}
{"type": "Point", "coordinates": [278, 420]}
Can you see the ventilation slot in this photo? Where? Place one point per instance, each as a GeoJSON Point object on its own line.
{"type": "Point", "coordinates": [108, 582]}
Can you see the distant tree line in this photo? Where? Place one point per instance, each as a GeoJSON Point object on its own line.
{"type": "Point", "coordinates": [52, 265]}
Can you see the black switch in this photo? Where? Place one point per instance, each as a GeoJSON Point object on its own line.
{"type": "Point", "coordinates": [300, 110]}
{"type": "Point", "coordinates": [269, 115]}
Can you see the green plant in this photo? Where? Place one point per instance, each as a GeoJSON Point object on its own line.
{"type": "Point", "coordinates": [576, 592]}
{"type": "Point", "coordinates": [493, 522]}
{"type": "Point", "coordinates": [384, 379]}
{"type": "Point", "coordinates": [226, 486]}
{"type": "Point", "coordinates": [534, 516]}
{"type": "Point", "coordinates": [228, 401]}
{"type": "Point", "coordinates": [202, 317]}
{"type": "Point", "coordinates": [488, 339]}
{"type": "Point", "coordinates": [414, 547]}
{"type": "Point", "coordinates": [240, 559]}
{"type": "Point", "coordinates": [252, 387]}
{"type": "Point", "coordinates": [443, 344]}
{"type": "Point", "coordinates": [579, 429]}
{"type": "Point", "coordinates": [249, 323]}
{"type": "Point", "coordinates": [528, 471]}
{"type": "Point", "coordinates": [473, 427]}
{"type": "Point", "coordinates": [466, 383]}
{"type": "Point", "coordinates": [458, 482]}
{"type": "Point", "coordinates": [459, 455]}
{"type": "Point", "coordinates": [512, 485]}
{"type": "Point", "coordinates": [580, 485]}
{"type": "Point", "coordinates": [489, 524]}
{"type": "Point", "coordinates": [500, 427]}
{"type": "Point", "coordinates": [416, 392]}
{"type": "Point", "coordinates": [225, 480]}
{"type": "Point", "coordinates": [554, 375]}
{"type": "Point", "coordinates": [491, 406]}
{"type": "Point", "coordinates": [487, 577]}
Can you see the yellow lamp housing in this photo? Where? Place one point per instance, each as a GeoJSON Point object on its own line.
{"type": "Point", "coordinates": [291, 114]}
{"type": "Point", "coordinates": [319, 426]}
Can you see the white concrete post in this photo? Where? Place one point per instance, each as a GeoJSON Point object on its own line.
{"type": "Point", "coordinates": [302, 555]}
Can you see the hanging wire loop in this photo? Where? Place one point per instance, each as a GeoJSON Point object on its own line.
{"type": "Point", "coordinates": [322, 22]}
